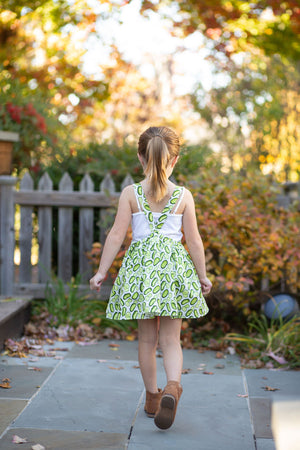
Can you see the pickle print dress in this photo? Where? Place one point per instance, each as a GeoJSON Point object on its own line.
{"type": "Point", "coordinates": [157, 276]}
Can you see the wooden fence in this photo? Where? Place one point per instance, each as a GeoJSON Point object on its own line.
{"type": "Point", "coordinates": [37, 206]}
{"type": "Point", "coordinates": [36, 211]}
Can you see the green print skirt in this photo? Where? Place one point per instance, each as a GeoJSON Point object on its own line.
{"type": "Point", "coordinates": [157, 278]}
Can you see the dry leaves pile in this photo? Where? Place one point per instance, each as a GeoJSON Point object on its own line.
{"type": "Point", "coordinates": [38, 333]}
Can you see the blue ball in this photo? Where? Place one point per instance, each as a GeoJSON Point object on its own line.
{"type": "Point", "coordinates": [283, 305]}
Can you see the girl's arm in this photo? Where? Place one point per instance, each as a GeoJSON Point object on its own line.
{"type": "Point", "coordinates": [114, 239]}
{"type": "Point", "coordinates": [194, 241]}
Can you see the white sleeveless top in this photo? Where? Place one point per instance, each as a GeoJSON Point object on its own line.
{"type": "Point", "coordinates": [171, 228]}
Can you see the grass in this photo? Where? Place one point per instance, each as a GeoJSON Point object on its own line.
{"type": "Point", "coordinates": [63, 306]}
{"type": "Point", "coordinates": [270, 340]}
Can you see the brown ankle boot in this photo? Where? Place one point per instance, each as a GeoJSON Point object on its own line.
{"type": "Point", "coordinates": [168, 405]}
{"type": "Point", "coordinates": [152, 402]}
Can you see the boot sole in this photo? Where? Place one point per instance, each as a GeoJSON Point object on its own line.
{"type": "Point", "coordinates": [165, 416]}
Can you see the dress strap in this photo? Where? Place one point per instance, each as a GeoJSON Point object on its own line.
{"type": "Point", "coordinates": [144, 204]}
{"type": "Point", "coordinates": [168, 208]}
{"type": "Point", "coordinates": [137, 198]}
{"type": "Point", "coordinates": [179, 201]}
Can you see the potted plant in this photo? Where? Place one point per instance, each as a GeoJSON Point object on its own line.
{"type": "Point", "coordinates": [7, 140]}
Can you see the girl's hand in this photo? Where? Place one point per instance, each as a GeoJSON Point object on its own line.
{"type": "Point", "coordinates": [96, 281]}
{"type": "Point", "coordinates": [206, 285]}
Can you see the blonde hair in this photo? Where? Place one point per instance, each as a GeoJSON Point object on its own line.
{"type": "Point", "coordinates": [158, 146]}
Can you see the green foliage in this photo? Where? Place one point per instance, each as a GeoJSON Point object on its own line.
{"type": "Point", "coordinates": [70, 307]}
{"type": "Point", "coordinates": [267, 340]}
{"type": "Point", "coordinates": [63, 307]}
{"type": "Point", "coordinates": [100, 159]}
{"type": "Point", "coordinates": [255, 117]}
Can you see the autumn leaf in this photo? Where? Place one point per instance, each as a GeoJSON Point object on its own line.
{"type": "Point", "coordinates": [115, 368]}
{"type": "Point", "coordinates": [185, 371]}
{"type": "Point", "coordinates": [96, 321]}
{"type": "Point", "coordinates": [219, 366]}
{"type": "Point", "coordinates": [18, 440]}
{"type": "Point", "coordinates": [271, 389]}
{"type": "Point", "coordinates": [207, 373]}
{"type": "Point", "coordinates": [112, 345]}
{"type": "Point", "coordinates": [130, 337]}
{"type": "Point", "coordinates": [5, 383]}
{"type": "Point", "coordinates": [242, 395]}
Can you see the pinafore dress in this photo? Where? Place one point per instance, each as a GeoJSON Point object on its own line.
{"type": "Point", "coordinates": [157, 276]}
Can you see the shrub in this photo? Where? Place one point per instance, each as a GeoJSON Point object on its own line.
{"type": "Point", "coordinates": [246, 235]}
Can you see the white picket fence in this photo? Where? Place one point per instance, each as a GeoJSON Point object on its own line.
{"type": "Point", "coordinates": [37, 205]}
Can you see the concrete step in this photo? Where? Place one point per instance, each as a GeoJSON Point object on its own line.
{"type": "Point", "coordinates": [14, 314]}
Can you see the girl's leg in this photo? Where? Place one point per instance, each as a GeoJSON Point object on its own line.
{"type": "Point", "coordinates": [169, 341]}
{"type": "Point", "coordinates": [148, 339]}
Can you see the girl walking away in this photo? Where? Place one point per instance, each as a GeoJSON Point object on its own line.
{"type": "Point", "coordinates": [159, 282]}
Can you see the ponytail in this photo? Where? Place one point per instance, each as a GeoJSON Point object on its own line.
{"type": "Point", "coordinates": [158, 146]}
{"type": "Point", "coordinates": [157, 157]}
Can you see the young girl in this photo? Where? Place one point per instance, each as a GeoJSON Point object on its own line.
{"type": "Point", "coordinates": [159, 283]}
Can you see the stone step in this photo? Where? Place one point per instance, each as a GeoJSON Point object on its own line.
{"type": "Point", "coordinates": [14, 314]}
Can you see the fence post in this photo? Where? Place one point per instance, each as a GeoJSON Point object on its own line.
{"type": "Point", "coordinates": [65, 233]}
{"type": "Point", "coordinates": [45, 232]}
{"type": "Point", "coordinates": [7, 235]}
{"type": "Point", "coordinates": [86, 233]}
{"type": "Point", "coordinates": [107, 186]}
{"type": "Point", "coordinates": [25, 239]}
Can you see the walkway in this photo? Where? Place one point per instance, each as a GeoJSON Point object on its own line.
{"type": "Point", "coordinates": [92, 397]}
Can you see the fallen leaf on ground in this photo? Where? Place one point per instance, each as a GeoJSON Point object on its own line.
{"type": "Point", "coordinates": [279, 359]}
{"type": "Point", "coordinates": [58, 357]}
{"type": "Point", "coordinates": [136, 367]}
{"type": "Point", "coordinates": [207, 373]}
{"type": "Point", "coordinates": [33, 359]}
{"type": "Point", "coordinates": [5, 384]}
{"type": "Point", "coordinates": [242, 395]}
{"type": "Point", "coordinates": [202, 349]}
{"type": "Point", "coordinates": [231, 350]}
{"type": "Point", "coordinates": [269, 365]}
{"type": "Point", "coordinates": [269, 388]}
{"type": "Point", "coordinates": [219, 366]}
{"type": "Point", "coordinates": [219, 355]}
{"type": "Point", "coordinates": [36, 369]}
{"type": "Point", "coordinates": [113, 345]}
{"type": "Point", "coordinates": [18, 440]}
{"type": "Point", "coordinates": [84, 343]}
{"type": "Point", "coordinates": [101, 360]}
{"type": "Point", "coordinates": [59, 349]}
{"type": "Point", "coordinates": [115, 368]}
{"type": "Point", "coordinates": [130, 337]}
{"type": "Point", "coordinates": [38, 447]}
{"type": "Point", "coordinates": [97, 321]}
{"type": "Point", "coordinates": [185, 371]}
